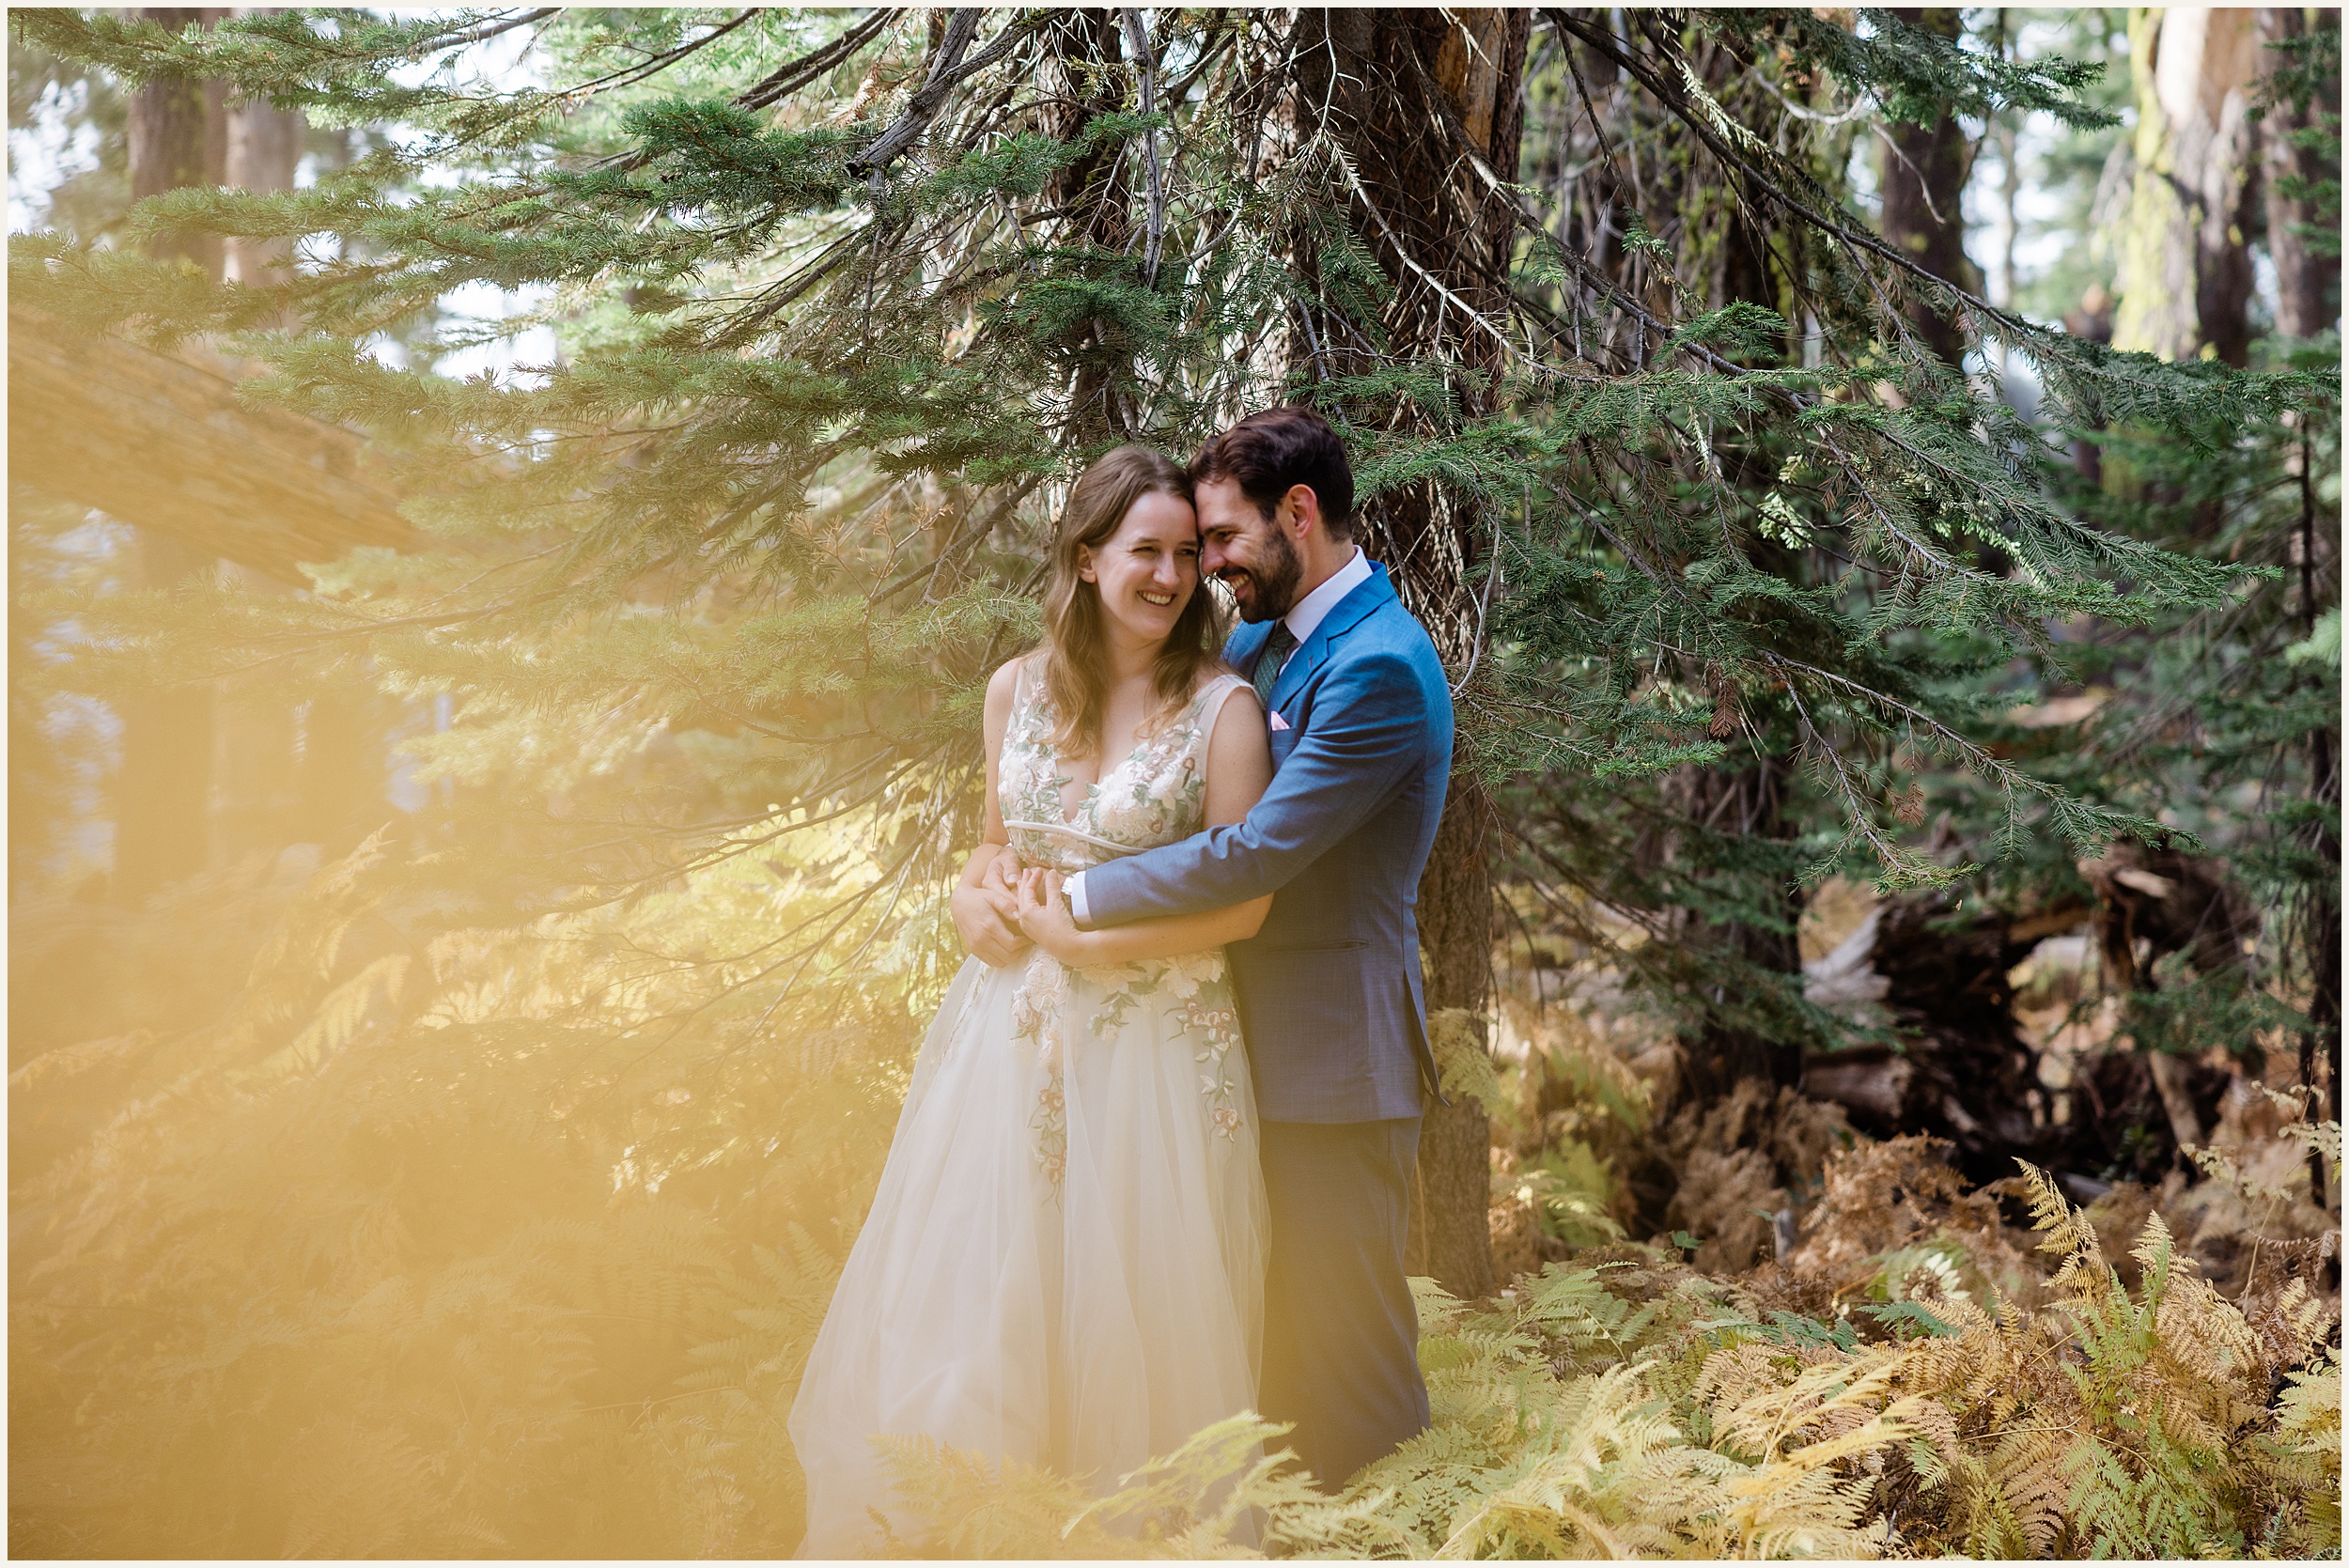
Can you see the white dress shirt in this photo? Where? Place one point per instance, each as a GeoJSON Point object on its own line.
{"type": "Point", "coordinates": [1304, 617]}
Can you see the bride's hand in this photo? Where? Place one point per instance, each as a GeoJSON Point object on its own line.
{"type": "Point", "coordinates": [987, 913]}
{"type": "Point", "coordinates": [1044, 916]}
{"type": "Point", "coordinates": [1001, 883]}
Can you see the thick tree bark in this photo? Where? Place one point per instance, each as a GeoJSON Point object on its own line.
{"type": "Point", "coordinates": [2186, 270]}
{"type": "Point", "coordinates": [2308, 286]}
{"type": "Point", "coordinates": [1089, 50]}
{"type": "Point", "coordinates": [1923, 182]}
{"type": "Point", "coordinates": [1450, 1239]}
{"type": "Point", "coordinates": [1411, 96]}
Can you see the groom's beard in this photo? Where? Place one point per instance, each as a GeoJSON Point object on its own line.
{"type": "Point", "coordinates": [1266, 590]}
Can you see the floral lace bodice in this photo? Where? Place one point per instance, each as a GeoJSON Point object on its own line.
{"type": "Point", "coordinates": [1157, 795]}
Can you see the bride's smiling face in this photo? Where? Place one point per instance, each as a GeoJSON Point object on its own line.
{"type": "Point", "coordinates": [1148, 569]}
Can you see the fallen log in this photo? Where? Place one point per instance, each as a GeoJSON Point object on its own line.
{"type": "Point", "coordinates": [167, 445]}
{"type": "Point", "coordinates": [1966, 1073]}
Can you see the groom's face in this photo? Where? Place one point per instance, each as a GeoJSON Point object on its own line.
{"type": "Point", "coordinates": [1249, 552]}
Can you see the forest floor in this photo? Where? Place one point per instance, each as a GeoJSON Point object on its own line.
{"type": "Point", "coordinates": [1599, 1143]}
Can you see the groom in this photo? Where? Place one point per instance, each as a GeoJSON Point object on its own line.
{"type": "Point", "coordinates": [1328, 989]}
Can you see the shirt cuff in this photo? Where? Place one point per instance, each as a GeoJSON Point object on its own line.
{"type": "Point", "coordinates": [1075, 889]}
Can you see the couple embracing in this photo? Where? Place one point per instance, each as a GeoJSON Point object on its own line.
{"type": "Point", "coordinates": [1154, 1166]}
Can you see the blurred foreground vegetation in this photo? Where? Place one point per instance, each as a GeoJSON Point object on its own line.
{"type": "Point", "coordinates": [448, 1251]}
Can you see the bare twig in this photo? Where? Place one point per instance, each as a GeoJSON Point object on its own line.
{"type": "Point", "coordinates": [946, 72]}
{"type": "Point", "coordinates": [658, 63]}
{"type": "Point", "coordinates": [489, 30]}
{"type": "Point", "coordinates": [786, 80]}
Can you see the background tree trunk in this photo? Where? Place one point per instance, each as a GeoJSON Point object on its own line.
{"type": "Point", "coordinates": [163, 795]}
{"type": "Point", "coordinates": [263, 152]}
{"type": "Point", "coordinates": [2186, 268]}
{"type": "Point", "coordinates": [1088, 50]}
{"type": "Point", "coordinates": [1923, 182]}
{"type": "Point", "coordinates": [256, 741]}
{"type": "Point", "coordinates": [2320, 920]}
{"type": "Point", "coordinates": [2307, 284]}
{"type": "Point", "coordinates": [163, 442]}
{"type": "Point", "coordinates": [1748, 802]}
{"type": "Point", "coordinates": [178, 135]}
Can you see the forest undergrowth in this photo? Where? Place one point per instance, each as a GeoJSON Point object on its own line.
{"type": "Point", "coordinates": [1917, 1376]}
{"type": "Point", "coordinates": [525, 1298]}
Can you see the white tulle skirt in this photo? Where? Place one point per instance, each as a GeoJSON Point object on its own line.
{"type": "Point", "coordinates": [1063, 1264]}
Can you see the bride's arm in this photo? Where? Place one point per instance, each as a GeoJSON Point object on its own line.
{"type": "Point", "coordinates": [987, 919]}
{"type": "Point", "coordinates": [1239, 766]}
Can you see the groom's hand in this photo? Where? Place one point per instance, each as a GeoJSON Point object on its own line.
{"type": "Point", "coordinates": [988, 916]}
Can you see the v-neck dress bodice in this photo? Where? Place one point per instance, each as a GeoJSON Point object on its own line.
{"type": "Point", "coordinates": [1156, 794]}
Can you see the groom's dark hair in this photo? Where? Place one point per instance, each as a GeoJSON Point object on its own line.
{"type": "Point", "coordinates": [1267, 453]}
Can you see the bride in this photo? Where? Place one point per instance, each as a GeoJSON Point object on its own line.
{"type": "Point", "coordinates": [1063, 1264]}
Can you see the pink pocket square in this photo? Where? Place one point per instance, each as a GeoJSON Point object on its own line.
{"type": "Point", "coordinates": [1278, 723]}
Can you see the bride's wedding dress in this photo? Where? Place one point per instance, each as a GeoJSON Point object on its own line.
{"type": "Point", "coordinates": [1064, 1261]}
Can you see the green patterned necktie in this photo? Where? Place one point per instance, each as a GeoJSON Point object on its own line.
{"type": "Point", "coordinates": [1276, 649]}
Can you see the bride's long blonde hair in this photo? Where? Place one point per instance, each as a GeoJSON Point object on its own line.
{"type": "Point", "coordinates": [1073, 661]}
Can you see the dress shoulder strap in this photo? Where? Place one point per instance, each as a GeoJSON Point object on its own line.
{"type": "Point", "coordinates": [1215, 694]}
{"type": "Point", "coordinates": [1208, 706]}
{"type": "Point", "coordinates": [1026, 686]}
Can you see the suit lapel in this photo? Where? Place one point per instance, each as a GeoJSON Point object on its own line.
{"type": "Point", "coordinates": [1368, 595]}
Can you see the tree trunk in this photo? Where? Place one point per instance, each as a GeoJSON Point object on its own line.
{"type": "Point", "coordinates": [2321, 1040]}
{"type": "Point", "coordinates": [264, 151]}
{"type": "Point", "coordinates": [1747, 802]}
{"type": "Point", "coordinates": [1089, 51]}
{"type": "Point", "coordinates": [2321, 921]}
{"type": "Point", "coordinates": [36, 785]}
{"type": "Point", "coordinates": [1405, 90]}
{"type": "Point", "coordinates": [163, 795]}
{"type": "Point", "coordinates": [178, 134]}
{"type": "Point", "coordinates": [2186, 270]}
{"type": "Point", "coordinates": [2307, 284]}
{"type": "Point", "coordinates": [340, 771]}
{"type": "Point", "coordinates": [163, 442]}
{"type": "Point", "coordinates": [1743, 796]}
{"type": "Point", "coordinates": [1450, 1239]}
{"type": "Point", "coordinates": [1923, 182]}
{"type": "Point", "coordinates": [256, 743]}
{"type": "Point", "coordinates": [2093, 320]}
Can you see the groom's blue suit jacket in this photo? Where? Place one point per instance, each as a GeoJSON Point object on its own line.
{"type": "Point", "coordinates": [1330, 990]}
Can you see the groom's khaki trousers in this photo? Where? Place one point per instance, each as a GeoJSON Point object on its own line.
{"type": "Point", "coordinates": [1341, 1336]}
